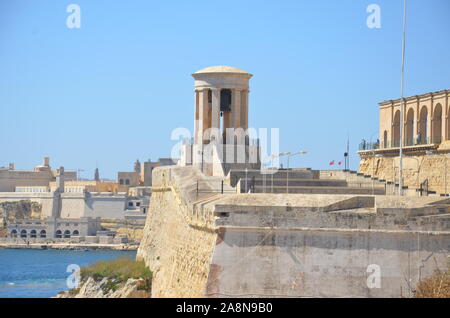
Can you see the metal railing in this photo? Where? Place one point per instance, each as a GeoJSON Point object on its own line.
{"type": "Point", "coordinates": [369, 145]}
{"type": "Point", "coordinates": [396, 143]}
{"type": "Point", "coordinates": [203, 186]}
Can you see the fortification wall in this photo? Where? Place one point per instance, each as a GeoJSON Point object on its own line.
{"type": "Point", "coordinates": [254, 262]}
{"type": "Point", "coordinates": [178, 240]}
{"type": "Point", "coordinates": [46, 200]}
{"type": "Point", "coordinates": [106, 205]}
{"type": "Point", "coordinates": [250, 245]}
{"type": "Point", "coordinates": [416, 169]}
{"type": "Point", "coordinates": [77, 205]}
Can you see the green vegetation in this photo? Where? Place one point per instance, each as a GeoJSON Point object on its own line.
{"type": "Point", "coordinates": [436, 286]}
{"type": "Point", "coordinates": [118, 271]}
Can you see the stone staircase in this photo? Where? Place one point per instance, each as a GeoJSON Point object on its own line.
{"type": "Point", "coordinates": [304, 181]}
{"type": "Point", "coordinates": [356, 179]}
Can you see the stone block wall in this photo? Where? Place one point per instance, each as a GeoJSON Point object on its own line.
{"type": "Point", "coordinates": [416, 169]}
{"type": "Point", "coordinates": [178, 239]}
{"type": "Point", "coordinates": [258, 262]}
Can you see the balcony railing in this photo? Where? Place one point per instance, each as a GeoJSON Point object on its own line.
{"type": "Point", "coordinates": [396, 143]}
{"type": "Point", "coordinates": [369, 146]}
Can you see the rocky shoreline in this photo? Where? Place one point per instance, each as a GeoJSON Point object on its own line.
{"type": "Point", "coordinates": [108, 288]}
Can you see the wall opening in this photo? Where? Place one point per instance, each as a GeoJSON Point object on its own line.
{"type": "Point", "coordinates": [422, 133]}
{"type": "Point", "coordinates": [437, 125]}
{"type": "Point", "coordinates": [409, 137]}
{"type": "Point", "coordinates": [396, 130]}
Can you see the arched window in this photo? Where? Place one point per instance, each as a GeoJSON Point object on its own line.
{"type": "Point", "coordinates": [121, 181]}
{"type": "Point", "coordinates": [23, 233]}
{"type": "Point", "coordinates": [33, 234]}
{"type": "Point", "coordinates": [58, 234]}
{"type": "Point", "coordinates": [423, 126]}
{"type": "Point", "coordinates": [127, 181]}
{"type": "Point", "coordinates": [43, 234]}
{"type": "Point", "coordinates": [75, 233]}
{"type": "Point", "coordinates": [66, 234]}
{"type": "Point", "coordinates": [396, 130]}
{"type": "Point", "coordinates": [14, 233]}
{"type": "Point", "coordinates": [409, 137]}
{"type": "Point", "coordinates": [437, 124]}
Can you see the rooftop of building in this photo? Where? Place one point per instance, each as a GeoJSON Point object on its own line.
{"type": "Point", "coordinates": [222, 69]}
{"type": "Point", "coordinates": [413, 97]}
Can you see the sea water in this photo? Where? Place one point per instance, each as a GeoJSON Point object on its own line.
{"type": "Point", "coordinates": [43, 273]}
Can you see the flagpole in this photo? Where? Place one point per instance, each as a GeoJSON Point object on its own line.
{"type": "Point", "coordinates": [402, 82]}
{"type": "Point", "coordinates": [348, 152]}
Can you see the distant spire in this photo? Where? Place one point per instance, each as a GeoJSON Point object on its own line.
{"type": "Point", "coordinates": [137, 166]}
{"type": "Point", "coordinates": [96, 175]}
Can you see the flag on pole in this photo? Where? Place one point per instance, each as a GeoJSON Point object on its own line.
{"type": "Point", "coordinates": [331, 163]}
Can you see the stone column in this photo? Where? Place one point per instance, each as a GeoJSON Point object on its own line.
{"type": "Point", "coordinates": [204, 104]}
{"type": "Point", "coordinates": [245, 119]}
{"type": "Point", "coordinates": [197, 124]}
{"type": "Point", "coordinates": [430, 122]}
{"type": "Point", "coordinates": [215, 117]}
{"type": "Point", "coordinates": [443, 123]}
{"type": "Point", "coordinates": [236, 108]}
{"type": "Point", "coordinates": [447, 117]}
{"type": "Point", "coordinates": [416, 119]}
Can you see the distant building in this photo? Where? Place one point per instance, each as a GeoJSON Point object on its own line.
{"type": "Point", "coordinates": [40, 176]}
{"type": "Point", "coordinates": [142, 174]}
{"type": "Point", "coordinates": [425, 141]}
{"type": "Point", "coordinates": [70, 207]}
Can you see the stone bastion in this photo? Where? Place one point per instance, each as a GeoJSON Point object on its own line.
{"type": "Point", "coordinates": [208, 244]}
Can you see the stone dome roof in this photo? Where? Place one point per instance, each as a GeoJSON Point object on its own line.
{"type": "Point", "coordinates": [222, 69]}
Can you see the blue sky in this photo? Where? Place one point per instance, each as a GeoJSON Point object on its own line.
{"type": "Point", "coordinates": [113, 90]}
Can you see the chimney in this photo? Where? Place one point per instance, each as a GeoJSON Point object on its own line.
{"type": "Point", "coordinates": [11, 166]}
{"type": "Point", "coordinates": [46, 162]}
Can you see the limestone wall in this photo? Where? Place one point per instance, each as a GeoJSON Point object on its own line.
{"type": "Point", "coordinates": [250, 245]}
{"type": "Point", "coordinates": [45, 200]}
{"type": "Point", "coordinates": [416, 169]}
{"type": "Point", "coordinates": [178, 239]}
{"type": "Point", "coordinates": [258, 262]}
{"type": "Point", "coordinates": [107, 205]}
{"type": "Point", "coordinates": [10, 179]}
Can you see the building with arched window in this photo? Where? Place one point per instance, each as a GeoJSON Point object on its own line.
{"type": "Point", "coordinates": [425, 131]}
{"type": "Point", "coordinates": [425, 122]}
